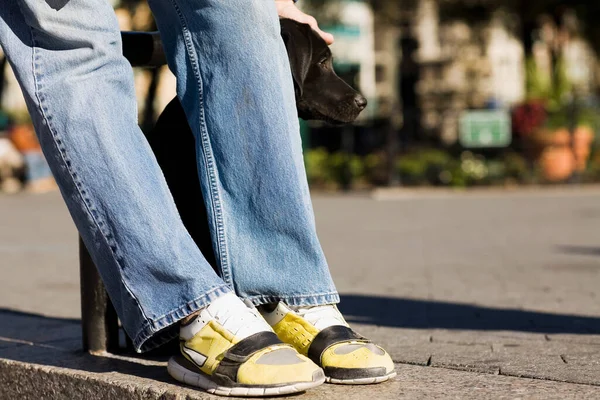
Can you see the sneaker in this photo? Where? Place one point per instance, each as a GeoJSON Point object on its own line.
{"type": "Point", "coordinates": [322, 334]}
{"type": "Point", "coordinates": [229, 350]}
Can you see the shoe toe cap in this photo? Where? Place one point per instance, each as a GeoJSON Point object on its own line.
{"type": "Point", "coordinates": [368, 357]}
{"type": "Point", "coordinates": [281, 366]}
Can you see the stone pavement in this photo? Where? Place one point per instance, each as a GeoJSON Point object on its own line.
{"type": "Point", "coordinates": [476, 295]}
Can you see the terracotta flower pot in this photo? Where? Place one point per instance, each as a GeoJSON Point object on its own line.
{"type": "Point", "coordinates": [552, 152]}
{"type": "Point", "coordinates": [557, 163]}
{"type": "Point", "coordinates": [546, 138]}
{"type": "Point", "coordinates": [541, 139]}
{"type": "Point", "coordinates": [582, 144]}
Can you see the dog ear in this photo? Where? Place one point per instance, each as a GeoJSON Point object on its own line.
{"type": "Point", "coordinates": [298, 43]}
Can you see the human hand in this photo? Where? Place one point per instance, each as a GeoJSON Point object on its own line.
{"type": "Point", "coordinates": [287, 9]}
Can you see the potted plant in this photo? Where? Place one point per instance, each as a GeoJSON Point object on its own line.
{"type": "Point", "coordinates": [551, 144]}
{"type": "Point", "coordinates": [571, 149]}
{"type": "Point", "coordinates": [583, 138]}
{"type": "Point", "coordinates": [548, 140]}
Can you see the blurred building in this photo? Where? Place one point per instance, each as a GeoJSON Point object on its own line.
{"type": "Point", "coordinates": [465, 65]}
{"type": "Point", "coordinates": [420, 63]}
{"type": "Point", "coordinates": [434, 59]}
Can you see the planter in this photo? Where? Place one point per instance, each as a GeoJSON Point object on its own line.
{"type": "Point", "coordinates": [544, 138]}
{"type": "Point", "coordinates": [557, 163]}
{"type": "Point", "coordinates": [582, 145]}
{"type": "Point", "coordinates": [552, 151]}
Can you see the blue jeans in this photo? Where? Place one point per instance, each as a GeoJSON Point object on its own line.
{"type": "Point", "coordinates": [235, 85]}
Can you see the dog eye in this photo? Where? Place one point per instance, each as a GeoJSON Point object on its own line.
{"type": "Point", "coordinates": [323, 61]}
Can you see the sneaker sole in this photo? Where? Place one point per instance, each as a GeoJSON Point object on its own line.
{"type": "Point", "coordinates": [188, 377]}
{"type": "Point", "coordinates": [362, 381]}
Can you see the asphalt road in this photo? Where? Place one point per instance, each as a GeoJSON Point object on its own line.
{"type": "Point", "coordinates": [538, 251]}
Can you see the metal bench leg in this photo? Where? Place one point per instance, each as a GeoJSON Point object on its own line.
{"type": "Point", "coordinates": [99, 322]}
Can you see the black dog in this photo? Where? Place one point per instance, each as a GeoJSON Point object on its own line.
{"type": "Point", "coordinates": [320, 95]}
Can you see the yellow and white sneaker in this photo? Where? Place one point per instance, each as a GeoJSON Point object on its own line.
{"type": "Point", "coordinates": [322, 334]}
{"type": "Point", "coordinates": [230, 350]}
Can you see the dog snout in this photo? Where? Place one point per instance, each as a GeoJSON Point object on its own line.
{"type": "Point", "coordinates": [360, 101]}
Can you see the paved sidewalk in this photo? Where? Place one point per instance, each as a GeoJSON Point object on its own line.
{"type": "Point", "coordinates": [471, 294]}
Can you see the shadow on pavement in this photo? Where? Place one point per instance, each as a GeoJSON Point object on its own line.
{"type": "Point", "coordinates": [56, 342]}
{"type": "Point", "coordinates": [579, 250]}
{"type": "Point", "coordinates": [425, 314]}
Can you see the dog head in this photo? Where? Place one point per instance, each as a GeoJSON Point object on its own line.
{"type": "Point", "coordinates": [320, 93]}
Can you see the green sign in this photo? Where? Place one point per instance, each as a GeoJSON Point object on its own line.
{"type": "Point", "coordinates": [485, 129]}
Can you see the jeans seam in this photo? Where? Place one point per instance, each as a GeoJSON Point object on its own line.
{"type": "Point", "coordinates": [215, 198]}
{"type": "Point", "coordinates": [322, 298]}
{"type": "Point", "coordinates": [300, 296]}
{"type": "Point", "coordinates": [35, 57]}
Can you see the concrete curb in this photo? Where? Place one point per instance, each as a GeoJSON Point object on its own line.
{"type": "Point", "coordinates": [25, 381]}
{"type": "Point", "coordinates": [20, 380]}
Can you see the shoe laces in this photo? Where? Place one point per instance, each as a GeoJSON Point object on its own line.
{"type": "Point", "coordinates": [322, 316]}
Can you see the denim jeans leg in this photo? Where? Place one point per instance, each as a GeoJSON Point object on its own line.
{"type": "Point", "coordinates": [235, 84]}
{"type": "Point", "coordinates": [79, 90]}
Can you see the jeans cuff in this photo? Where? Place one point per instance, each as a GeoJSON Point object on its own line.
{"type": "Point", "coordinates": [159, 331]}
{"type": "Point", "coordinates": [317, 299]}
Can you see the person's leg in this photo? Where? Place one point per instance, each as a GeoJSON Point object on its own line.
{"type": "Point", "coordinates": [235, 85]}
{"type": "Point", "coordinates": [79, 91]}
